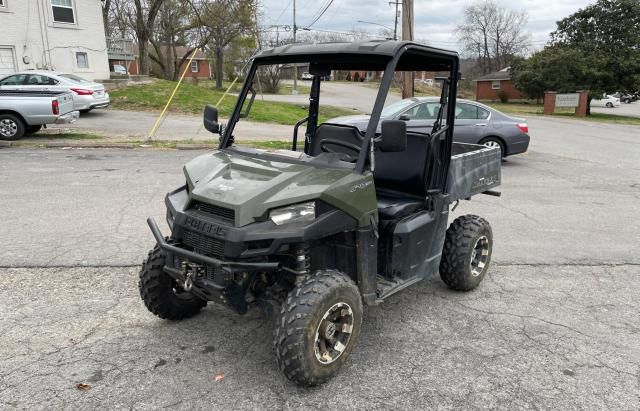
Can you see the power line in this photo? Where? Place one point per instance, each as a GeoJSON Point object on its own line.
{"type": "Point", "coordinates": [282, 12]}
{"type": "Point", "coordinates": [328, 4]}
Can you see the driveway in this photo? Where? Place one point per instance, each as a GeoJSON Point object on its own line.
{"type": "Point", "coordinates": [627, 110]}
{"type": "Point", "coordinates": [118, 124]}
{"type": "Point", "coordinates": [349, 95]}
{"type": "Point", "coordinates": [553, 326]}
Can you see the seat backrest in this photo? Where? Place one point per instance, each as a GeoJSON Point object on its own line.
{"type": "Point", "coordinates": [349, 140]}
{"type": "Point", "coordinates": [406, 171]}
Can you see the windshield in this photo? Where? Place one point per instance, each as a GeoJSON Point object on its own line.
{"type": "Point", "coordinates": [74, 78]}
{"type": "Point", "coordinates": [392, 109]}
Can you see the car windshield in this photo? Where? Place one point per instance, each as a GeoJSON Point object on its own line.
{"type": "Point", "coordinates": [74, 78]}
{"type": "Point", "coordinates": [392, 109]}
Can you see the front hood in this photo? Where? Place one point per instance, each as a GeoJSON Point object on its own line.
{"type": "Point", "coordinates": [360, 121]}
{"type": "Point", "coordinates": [252, 186]}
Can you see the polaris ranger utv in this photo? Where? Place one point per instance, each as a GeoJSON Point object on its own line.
{"type": "Point", "coordinates": [348, 221]}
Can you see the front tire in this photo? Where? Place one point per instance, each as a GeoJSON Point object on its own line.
{"type": "Point", "coordinates": [609, 105]}
{"type": "Point", "coordinates": [161, 294]}
{"type": "Point", "coordinates": [11, 127]}
{"type": "Point", "coordinates": [317, 328]}
{"type": "Point", "coordinates": [467, 253]}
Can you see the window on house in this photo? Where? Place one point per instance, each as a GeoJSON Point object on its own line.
{"type": "Point", "coordinates": [195, 68]}
{"type": "Point", "coordinates": [496, 84]}
{"type": "Point", "coordinates": [82, 60]}
{"type": "Point", "coordinates": [63, 11]}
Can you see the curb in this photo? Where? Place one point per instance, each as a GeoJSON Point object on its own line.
{"type": "Point", "coordinates": [196, 146]}
{"type": "Point", "coordinates": [5, 144]}
{"type": "Point", "coordinates": [89, 145]}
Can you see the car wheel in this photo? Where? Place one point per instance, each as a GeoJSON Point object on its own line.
{"type": "Point", "coordinates": [494, 142]}
{"type": "Point", "coordinates": [609, 105]}
{"type": "Point", "coordinates": [11, 127]}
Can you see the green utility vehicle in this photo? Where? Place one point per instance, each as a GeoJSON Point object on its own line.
{"type": "Point", "coordinates": [318, 232]}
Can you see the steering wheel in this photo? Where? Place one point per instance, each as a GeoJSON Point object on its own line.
{"type": "Point", "coordinates": [348, 157]}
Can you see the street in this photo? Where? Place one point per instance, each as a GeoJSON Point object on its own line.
{"type": "Point", "coordinates": [554, 325]}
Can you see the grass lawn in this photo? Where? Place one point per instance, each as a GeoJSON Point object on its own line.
{"type": "Point", "coordinates": [192, 98]}
{"type": "Point", "coordinates": [537, 109]}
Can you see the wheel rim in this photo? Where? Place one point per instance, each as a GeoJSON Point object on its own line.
{"type": "Point", "coordinates": [8, 128]}
{"type": "Point", "coordinates": [492, 144]}
{"type": "Point", "coordinates": [333, 333]}
{"type": "Point", "coordinates": [480, 256]}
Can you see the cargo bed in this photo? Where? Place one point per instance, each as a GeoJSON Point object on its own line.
{"type": "Point", "coordinates": [474, 169]}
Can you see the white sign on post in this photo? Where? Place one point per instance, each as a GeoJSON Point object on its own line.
{"type": "Point", "coordinates": [568, 100]}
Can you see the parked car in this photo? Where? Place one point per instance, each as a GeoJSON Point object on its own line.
{"type": "Point", "coordinates": [120, 69]}
{"type": "Point", "coordinates": [26, 111]}
{"type": "Point", "coordinates": [475, 123]}
{"type": "Point", "coordinates": [307, 76]}
{"type": "Point", "coordinates": [624, 97]}
{"type": "Point", "coordinates": [606, 101]}
{"type": "Point", "coordinates": [87, 95]}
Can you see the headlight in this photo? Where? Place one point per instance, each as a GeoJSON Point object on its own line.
{"type": "Point", "coordinates": [304, 212]}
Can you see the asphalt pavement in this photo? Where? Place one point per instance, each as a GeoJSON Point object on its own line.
{"type": "Point", "coordinates": [554, 325]}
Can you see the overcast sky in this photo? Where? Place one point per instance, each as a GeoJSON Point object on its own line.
{"type": "Point", "coordinates": [435, 19]}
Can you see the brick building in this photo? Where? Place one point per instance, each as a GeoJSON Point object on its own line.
{"type": "Point", "coordinates": [488, 87]}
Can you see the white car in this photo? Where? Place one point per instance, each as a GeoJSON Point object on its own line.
{"type": "Point", "coordinates": [120, 69]}
{"type": "Point", "coordinates": [606, 101]}
{"type": "Point", "coordinates": [307, 76]}
{"type": "Point", "coordinates": [87, 95]}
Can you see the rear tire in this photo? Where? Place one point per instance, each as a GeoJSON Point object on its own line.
{"type": "Point", "coordinates": [467, 253]}
{"type": "Point", "coordinates": [160, 292]}
{"type": "Point", "coordinates": [33, 129]}
{"type": "Point", "coordinates": [11, 127]}
{"type": "Point", "coordinates": [494, 142]}
{"type": "Point", "coordinates": [317, 328]}
{"type": "Point", "coordinates": [609, 105]}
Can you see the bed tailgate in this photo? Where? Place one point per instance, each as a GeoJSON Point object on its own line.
{"type": "Point", "coordinates": [473, 170]}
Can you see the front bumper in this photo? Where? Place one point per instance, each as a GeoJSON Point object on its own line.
{"type": "Point", "coordinates": [228, 266]}
{"type": "Point", "coordinates": [68, 118]}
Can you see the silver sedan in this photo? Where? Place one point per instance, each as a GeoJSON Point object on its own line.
{"type": "Point", "coordinates": [87, 95]}
{"type": "Point", "coordinates": [475, 123]}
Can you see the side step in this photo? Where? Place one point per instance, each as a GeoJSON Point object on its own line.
{"type": "Point", "coordinates": [386, 288]}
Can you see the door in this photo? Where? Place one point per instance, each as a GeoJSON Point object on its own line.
{"type": "Point", "coordinates": [7, 61]}
{"type": "Point", "coordinates": [420, 118]}
{"type": "Point", "coordinates": [471, 122]}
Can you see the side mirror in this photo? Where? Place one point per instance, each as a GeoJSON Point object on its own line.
{"type": "Point", "coordinates": [211, 119]}
{"type": "Point", "coordinates": [394, 136]}
{"type": "Point", "coordinates": [404, 117]}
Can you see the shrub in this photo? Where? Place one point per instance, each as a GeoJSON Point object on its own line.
{"type": "Point", "coordinates": [503, 96]}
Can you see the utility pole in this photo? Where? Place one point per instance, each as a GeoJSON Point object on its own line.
{"type": "Point", "coordinates": [396, 3]}
{"type": "Point", "coordinates": [407, 34]}
{"type": "Point", "coordinates": [295, 66]}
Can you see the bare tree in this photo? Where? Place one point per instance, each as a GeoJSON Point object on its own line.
{"type": "Point", "coordinates": [226, 20]}
{"type": "Point", "coordinates": [493, 35]}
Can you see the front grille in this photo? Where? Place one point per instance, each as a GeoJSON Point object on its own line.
{"type": "Point", "coordinates": [203, 244]}
{"type": "Point", "coordinates": [220, 212]}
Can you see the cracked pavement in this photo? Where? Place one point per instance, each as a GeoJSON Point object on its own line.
{"type": "Point", "coordinates": [555, 324]}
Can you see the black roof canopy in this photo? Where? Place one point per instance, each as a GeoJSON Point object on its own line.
{"type": "Point", "coordinates": [362, 55]}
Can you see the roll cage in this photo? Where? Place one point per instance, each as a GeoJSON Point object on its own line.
{"type": "Point", "coordinates": [386, 56]}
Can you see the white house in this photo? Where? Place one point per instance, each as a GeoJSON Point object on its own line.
{"type": "Point", "coordinates": [62, 35]}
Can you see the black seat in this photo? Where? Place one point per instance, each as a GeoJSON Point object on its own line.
{"type": "Point", "coordinates": [393, 207]}
{"type": "Point", "coordinates": [337, 138]}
